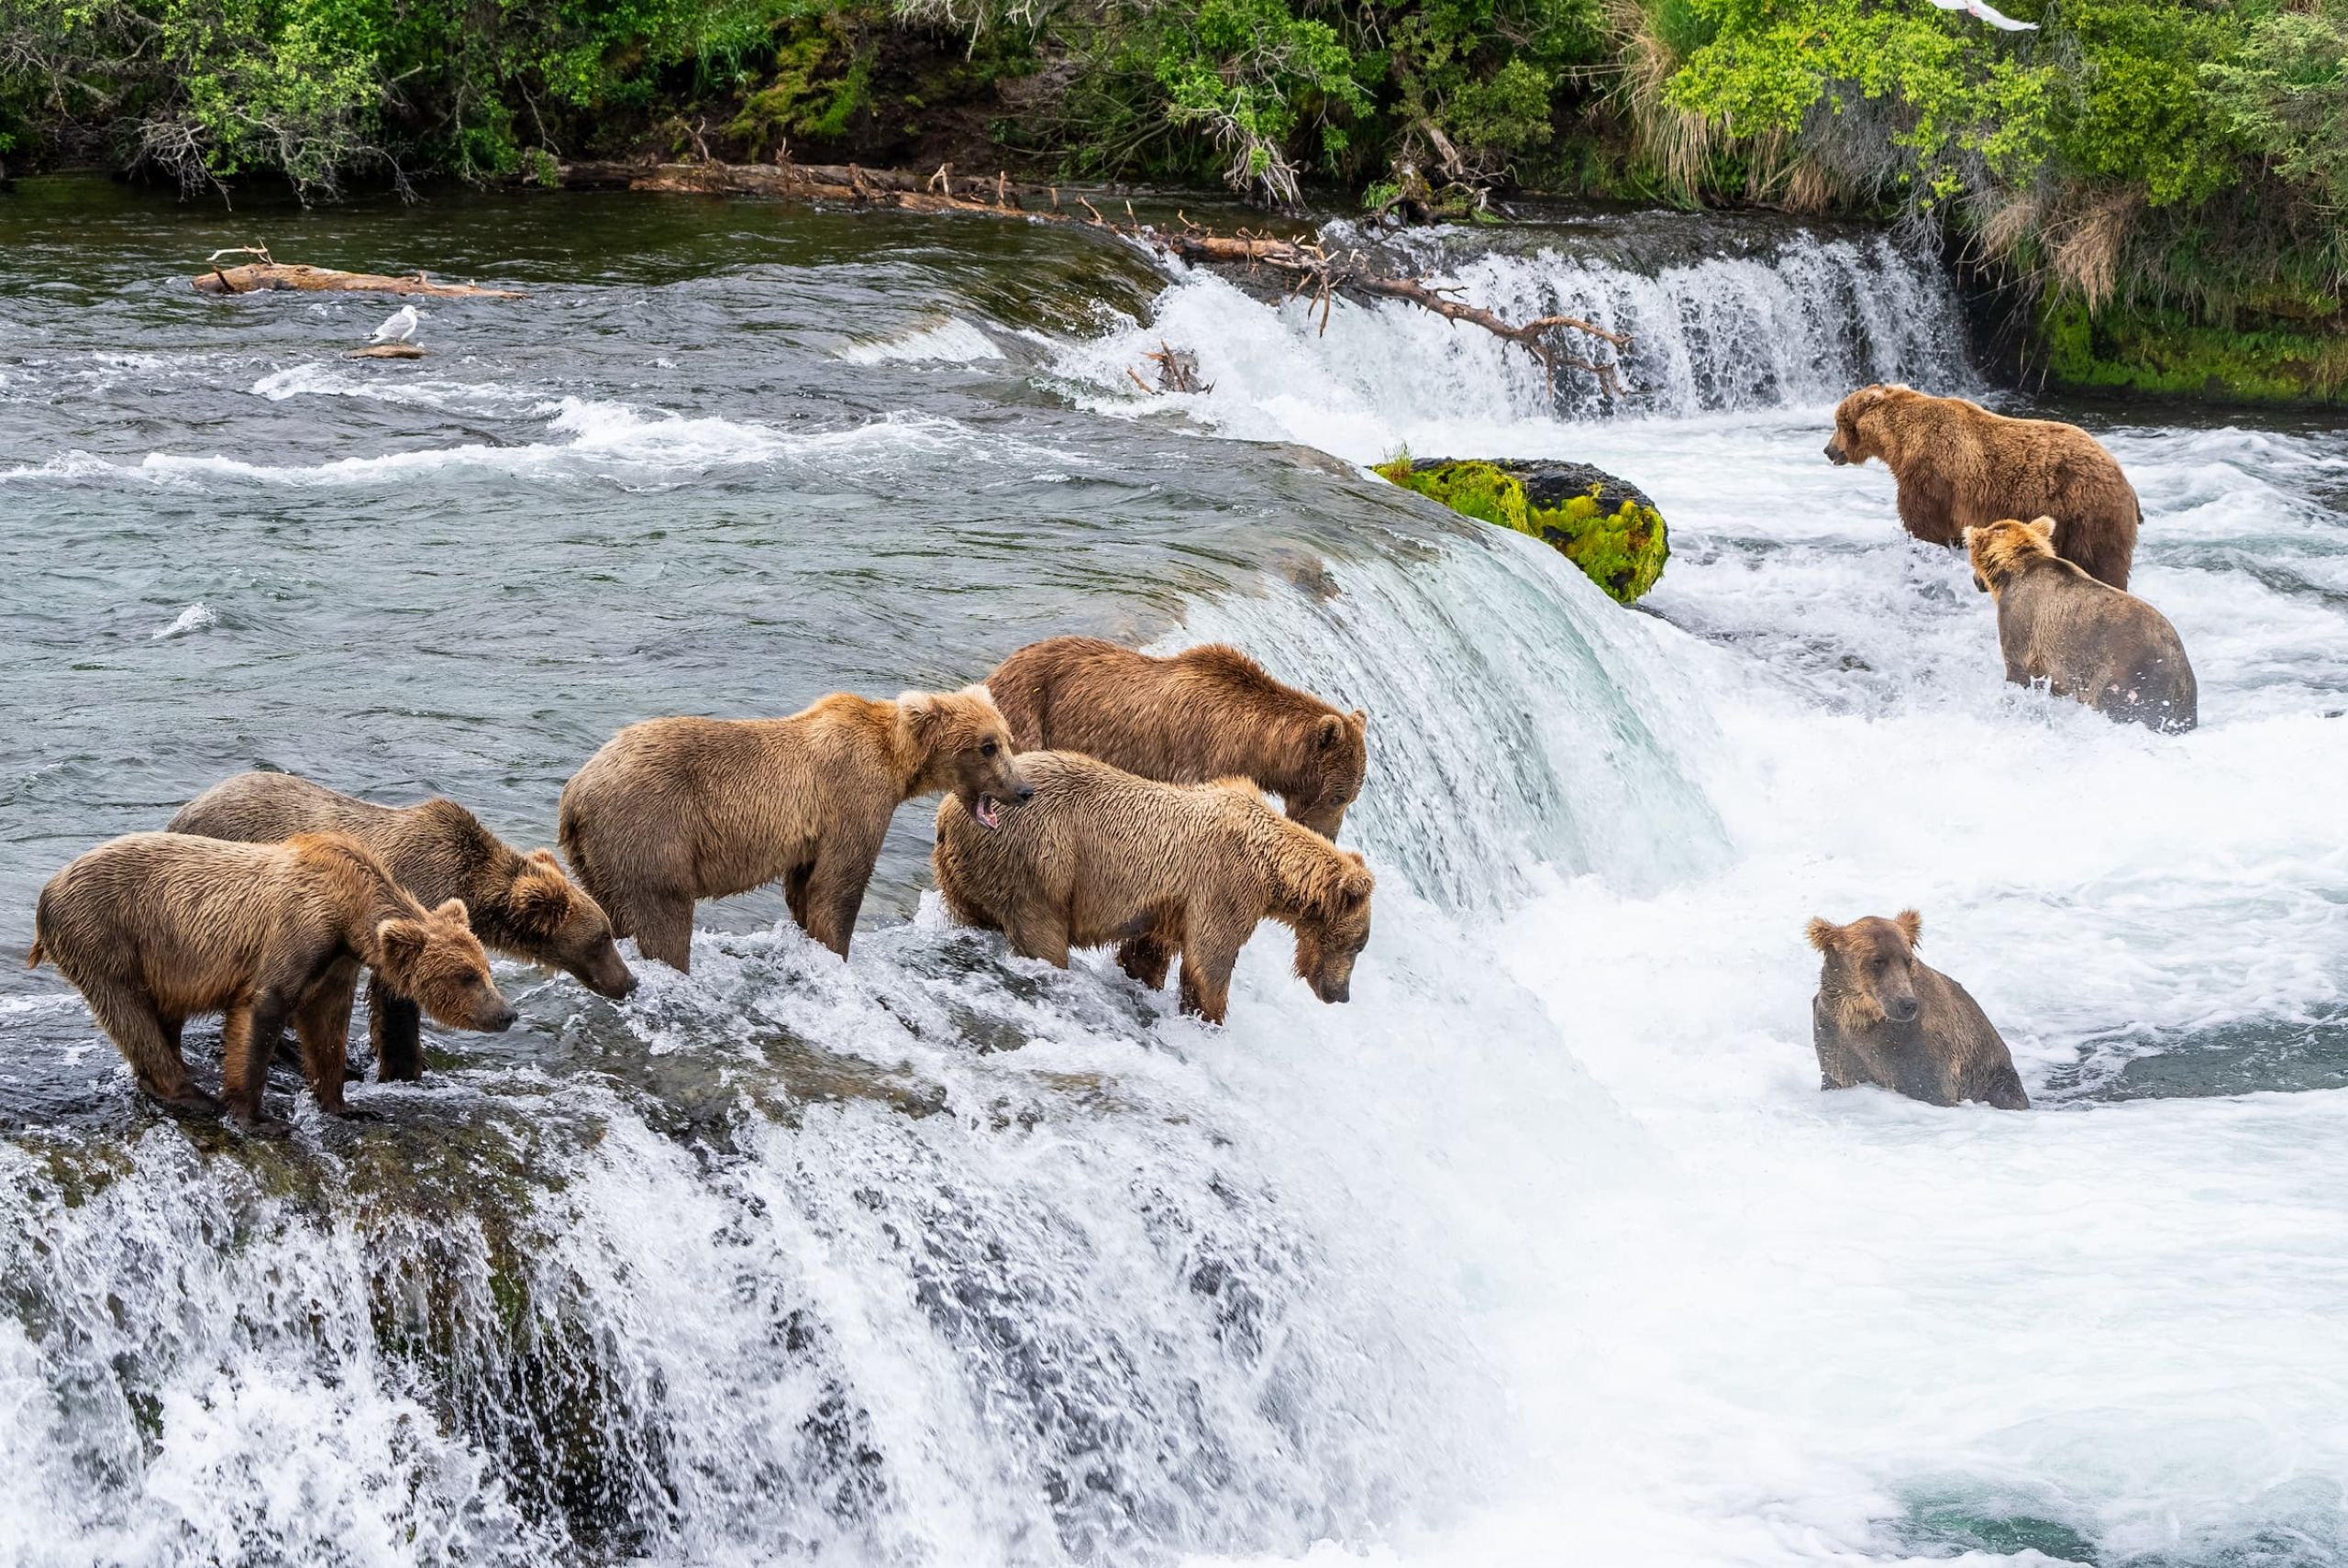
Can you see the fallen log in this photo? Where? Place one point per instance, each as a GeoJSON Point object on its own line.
{"type": "Point", "coordinates": [895, 188]}
{"type": "Point", "coordinates": [386, 351]}
{"type": "Point", "coordinates": [265, 277]}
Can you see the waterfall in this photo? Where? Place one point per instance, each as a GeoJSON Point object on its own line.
{"type": "Point", "coordinates": [1794, 321]}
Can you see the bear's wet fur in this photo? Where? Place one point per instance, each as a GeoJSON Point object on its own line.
{"type": "Point", "coordinates": [1884, 1016]}
{"type": "Point", "coordinates": [1204, 713]}
{"type": "Point", "coordinates": [1958, 466]}
{"type": "Point", "coordinates": [155, 928]}
{"type": "Point", "coordinates": [671, 811]}
{"type": "Point", "coordinates": [1099, 856]}
{"type": "Point", "coordinates": [2083, 638]}
{"type": "Point", "coordinates": [520, 904]}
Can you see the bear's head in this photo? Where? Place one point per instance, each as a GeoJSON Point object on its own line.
{"type": "Point", "coordinates": [1869, 974]}
{"type": "Point", "coordinates": [548, 918]}
{"type": "Point", "coordinates": [1337, 756]}
{"type": "Point", "coordinates": [1999, 549]}
{"type": "Point", "coordinates": [956, 742]}
{"type": "Point", "coordinates": [1333, 926]}
{"type": "Point", "coordinates": [1859, 431]}
{"type": "Point", "coordinates": [435, 960]}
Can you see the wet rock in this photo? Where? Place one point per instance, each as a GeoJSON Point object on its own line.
{"type": "Point", "coordinates": [1603, 524]}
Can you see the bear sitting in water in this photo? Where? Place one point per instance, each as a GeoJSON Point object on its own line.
{"type": "Point", "coordinates": [1884, 1016]}
{"type": "Point", "coordinates": [2055, 623]}
{"type": "Point", "coordinates": [1959, 465]}
{"type": "Point", "coordinates": [1098, 855]}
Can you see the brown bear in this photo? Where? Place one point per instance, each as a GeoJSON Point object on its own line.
{"type": "Point", "coordinates": [1959, 465]}
{"type": "Point", "coordinates": [1098, 855]}
{"type": "Point", "coordinates": [1884, 1016]}
{"type": "Point", "coordinates": [154, 928]}
{"type": "Point", "coordinates": [674, 809]}
{"type": "Point", "coordinates": [1206, 712]}
{"type": "Point", "coordinates": [521, 905]}
{"type": "Point", "coordinates": [2055, 623]}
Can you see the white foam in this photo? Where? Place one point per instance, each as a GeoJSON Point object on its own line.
{"type": "Point", "coordinates": [197, 617]}
{"type": "Point", "coordinates": [949, 341]}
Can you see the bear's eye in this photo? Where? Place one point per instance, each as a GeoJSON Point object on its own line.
{"type": "Point", "coordinates": [1882, 963]}
{"type": "Point", "coordinates": [988, 749]}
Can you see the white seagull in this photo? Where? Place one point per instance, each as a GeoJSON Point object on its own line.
{"type": "Point", "coordinates": [400, 328]}
{"type": "Point", "coordinates": [1981, 10]}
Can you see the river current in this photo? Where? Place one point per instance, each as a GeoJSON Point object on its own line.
{"type": "Point", "coordinates": [1544, 1249]}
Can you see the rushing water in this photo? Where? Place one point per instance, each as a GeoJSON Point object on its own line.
{"type": "Point", "coordinates": [1544, 1249]}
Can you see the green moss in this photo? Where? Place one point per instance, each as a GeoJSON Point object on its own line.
{"type": "Point", "coordinates": [1621, 550]}
{"type": "Point", "coordinates": [2162, 352]}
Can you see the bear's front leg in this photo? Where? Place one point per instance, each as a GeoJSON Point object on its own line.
{"type": "Point", "coordinates": [835, 887]}
{"type": "Point", "coordinates": [250, 1033]}
{"type": "Point", "coordinates": [322, 1024]}
{"type": "Point", "coordinates": [395, 1029]}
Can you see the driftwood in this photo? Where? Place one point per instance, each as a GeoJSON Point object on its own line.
{"type": "Point", "coordinates": [1178, 371]}
{"type": "Point", "coordinates": [261, 277]}
{"type": "Point", "coordinates": [386, 351]}
{"type": "Point", "coordinates": [1310, 269]}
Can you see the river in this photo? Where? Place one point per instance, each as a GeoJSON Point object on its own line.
{"type": "Point", "coordinates": [1545, 1249]}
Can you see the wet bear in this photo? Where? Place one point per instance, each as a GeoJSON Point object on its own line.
{"type": "Point", "coordinates": [1098, 855]}
{"type": "Point", "coordinates": [1960, 465]}
{"type": "Point", "coordinates": [671, 811]}
{"type": "Point", "coordinates": [155, 928]}
{"type": "Point", "coordinates": [520, 905]}
{"type": "Point", "coordinates": [2086, 640]}
{"type": "Point", "coordinates": [1884, 1016]}
{"type": "Point", "coordinates": [1205, 712]}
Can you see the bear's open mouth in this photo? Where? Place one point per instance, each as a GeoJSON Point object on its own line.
{"type": "Point", "coordinates": [987, 813]}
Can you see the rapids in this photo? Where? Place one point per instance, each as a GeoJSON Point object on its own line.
{"type": "Point", "coordinates": [1544, 1249]}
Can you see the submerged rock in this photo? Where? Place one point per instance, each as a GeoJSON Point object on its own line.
{"type": "Point", "coordinates": [1602, 525]}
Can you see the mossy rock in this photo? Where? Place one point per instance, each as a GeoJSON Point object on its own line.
{"type": "Point", "coordinates": [1608, 528]}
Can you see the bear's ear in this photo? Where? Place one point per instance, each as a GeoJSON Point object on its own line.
{"type": "Point", "coordinates": [545, 857]}
{"type": "Point", "coordinates": [1912, 926]}
{"type": "Point", "coordinates": [402, 942]}
{"type": "Point", "coordinates": [1361, 721]}
{"type": "Point", "coordinates": [1822, 934]}
{"type": "Point", "coordinates": [2042, 529]}
{"type": "Point", "coordinates": [454, 909]}
{"type": "Point", "coordinates": [920, 713]}
{"type": "Point", "coordinates": [1970, 529]}
{"type": "Point", "coordinates": [541, 899]}
{"type": "Point", "coordinates": [1330, 733]}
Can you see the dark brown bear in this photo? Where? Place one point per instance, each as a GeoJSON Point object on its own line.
{"type": "Point", "coordinates": [155, 928]}
{"type": "Point", "coordinates": [674, 809]}
{"type": "Point", "coordinates": [1206, 712]}
{"type": "Point", "coordinates": [1960, 465]}
{"type": "Point", "coordinates": [2055, 623]}
{"type": "Point", "coordinates": [1099, 855]}
{"type": "Point", "coordinates": [521, 905]}
{"type": "Point", "coordinates": [1884, 1016]}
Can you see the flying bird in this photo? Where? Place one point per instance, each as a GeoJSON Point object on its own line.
{"type": "Point", "coordinates": [1983, 11]}
{"type": "Point", "coordinates": [400, 328]}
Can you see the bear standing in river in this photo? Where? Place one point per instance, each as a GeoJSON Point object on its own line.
{"type": "Point", "coordinates": [674, 809]}
{"type": "Point", "coordinates": [2055, 623]}
{"type": "Point", "coordinates": [1884, 1016]}
{"type": "Point", "coordinates": [154, 928]}
{"type": "Point", "coordinates": [521, 905]}
{"type": "Point", "coordinates": [1098, 855]}
{"type": "Point", "coordinates": [1959, 465]}
{"type": "Point", "coordinates": [1205, 712]}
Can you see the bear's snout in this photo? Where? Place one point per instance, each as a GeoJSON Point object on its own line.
{"type": "Point", "coordinates": [1903, 1010]}
{"type": "Point", "coordinates": [1026, 792]}
{"type": "Point", "coordinates": [1834, 452]}
{"type": "Point", "coordinates": [498, 1020]}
